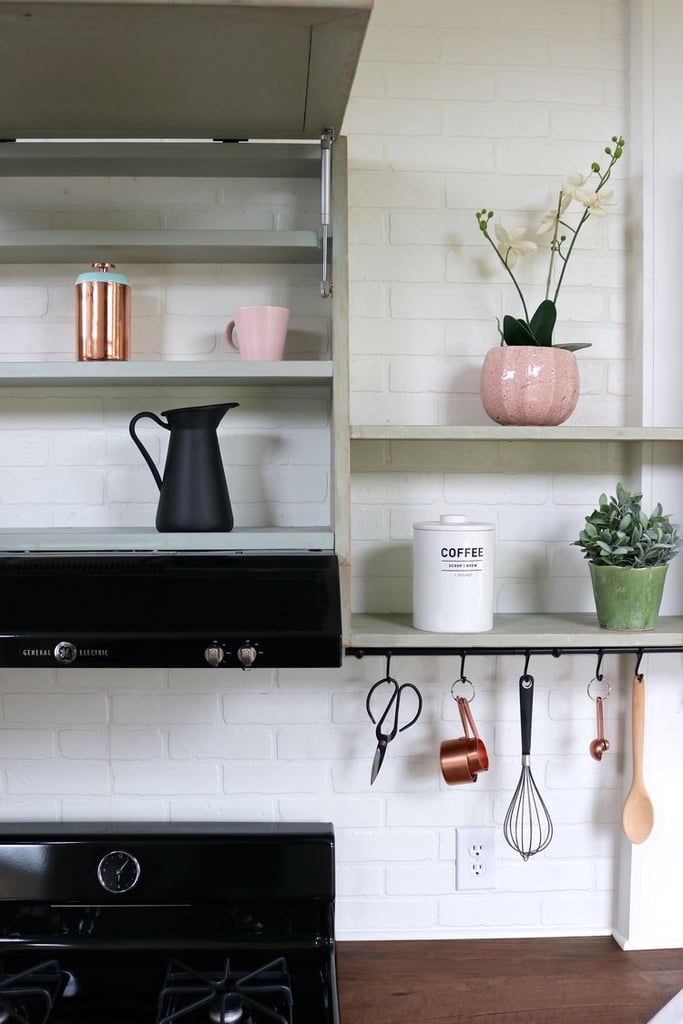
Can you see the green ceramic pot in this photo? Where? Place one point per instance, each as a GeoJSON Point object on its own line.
{"type": "Point", "coordinates": [627, 599]}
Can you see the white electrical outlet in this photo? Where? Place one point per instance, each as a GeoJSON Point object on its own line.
{"type": "Point", "coordinates": [475, 858]}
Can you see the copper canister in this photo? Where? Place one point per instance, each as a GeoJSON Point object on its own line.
{"type": "Point", "coordinates": [102, 314]}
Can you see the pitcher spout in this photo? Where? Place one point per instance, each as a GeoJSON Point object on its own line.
{"type": "Point", "coordinates": [199, 416]}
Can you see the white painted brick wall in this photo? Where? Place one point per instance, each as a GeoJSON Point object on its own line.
{"type": "Point", "coordinates": [509, 106]}
{"type": "Point", "coordinates": [298, 746]}
{"type": "Point", "coordinates": [455, 105]}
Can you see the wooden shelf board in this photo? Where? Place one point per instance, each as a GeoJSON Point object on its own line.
{"type": "Point", "coordinates": [513, 631]}
{"type": "Point", "coordinates": [162, 372]}
{"type": "Point", "coordinates": [190, 246]}
{"type": "Point", "coordinates": [160, 159]}
{"type": "Point", "coordinates": [407, 432]}
{"type": "Point", "coordinates": [148, 539]}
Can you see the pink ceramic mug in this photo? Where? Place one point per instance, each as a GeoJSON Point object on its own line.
{"type": "Point", "coordinates": [259, 332]}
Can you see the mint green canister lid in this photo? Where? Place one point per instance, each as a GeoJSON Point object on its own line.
{"type": "Point", "coordinates": [102, 272]}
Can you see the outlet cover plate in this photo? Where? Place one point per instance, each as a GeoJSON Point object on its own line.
{"type": "Point", "coordinates": [476, 858]}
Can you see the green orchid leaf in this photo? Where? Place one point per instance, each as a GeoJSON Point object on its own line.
{"type": "Point", "coordinates": [574, 346]}
{"type": "Point", "coordinates": [543, 322]}
{"type": "Point", "coordinates": [517, 332]}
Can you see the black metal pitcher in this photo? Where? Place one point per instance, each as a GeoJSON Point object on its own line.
{"type": "Point", "coordinates": [193, 492]}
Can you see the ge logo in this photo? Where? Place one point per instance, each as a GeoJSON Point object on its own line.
{"type": "Point", "coordinates": [66, 652]}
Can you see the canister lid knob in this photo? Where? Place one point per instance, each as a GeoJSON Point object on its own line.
{"type": "Point", "coordinates": [448, 517]}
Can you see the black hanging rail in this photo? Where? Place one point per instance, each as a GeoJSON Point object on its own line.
{"type": "Point", "coordinates": [555, 651]}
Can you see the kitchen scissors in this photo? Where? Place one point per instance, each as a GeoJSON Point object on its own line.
{"type": "Point", "coordinates": [392, 713]}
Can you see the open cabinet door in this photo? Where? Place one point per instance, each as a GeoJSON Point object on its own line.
{"type": "Point", "coordinates": [222, 69]}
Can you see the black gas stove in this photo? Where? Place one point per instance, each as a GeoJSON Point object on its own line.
{"type": "Point", "coordinates": [199, 923]}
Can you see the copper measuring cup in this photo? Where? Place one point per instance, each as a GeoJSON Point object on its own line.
{"type": "Point", "coordinates": [463, 759]}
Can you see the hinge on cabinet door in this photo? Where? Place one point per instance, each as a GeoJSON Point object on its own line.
{"type": "Point", "coordinates": [326, 140]}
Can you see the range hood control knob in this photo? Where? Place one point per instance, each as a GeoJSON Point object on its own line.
{"type": "Point", "coordinates": [246, 655]}
{"type": "Point", "coordinates": [214, 656]}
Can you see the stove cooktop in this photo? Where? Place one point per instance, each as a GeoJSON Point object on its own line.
{"type": "Point", "coordinates": [203, 988]}
{"type": "Point", "coordinates": [158, 923]}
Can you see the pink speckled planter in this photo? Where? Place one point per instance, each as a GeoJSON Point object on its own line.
{"type": "Point", "coordinates": [529, 386]}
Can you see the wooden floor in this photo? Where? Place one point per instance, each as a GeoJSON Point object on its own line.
{"type": "Point", "coordinates": [504, 981]}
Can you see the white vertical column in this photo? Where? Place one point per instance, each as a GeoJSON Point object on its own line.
{"type": "Point", "coordinates": [650, 911]}
{"type": "Point", "coordinates": [650, 899]}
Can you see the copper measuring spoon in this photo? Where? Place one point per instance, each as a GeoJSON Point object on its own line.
{"type": "Point", "coordinates": [599, 745]}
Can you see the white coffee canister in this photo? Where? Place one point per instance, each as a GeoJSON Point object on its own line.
{"type": "Point", "coordinates": [453, 573]}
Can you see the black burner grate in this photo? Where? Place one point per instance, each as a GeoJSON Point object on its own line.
{"type": "Point", "coordinates": [227, 996]}
{"type": "Point", "coordinates": [28, 997]}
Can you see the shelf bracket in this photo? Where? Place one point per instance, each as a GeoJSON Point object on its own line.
{"type": "Point", "coordinates": [326, 140]}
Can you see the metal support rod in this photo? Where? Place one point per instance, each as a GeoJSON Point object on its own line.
{"type": "Point", "coordinates": [325, 192]}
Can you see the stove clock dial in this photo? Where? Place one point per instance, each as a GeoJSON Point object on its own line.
{"type": "Point", "coordinates": [118, 871]}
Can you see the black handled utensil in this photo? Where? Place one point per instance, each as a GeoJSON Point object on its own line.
{"type": "Point", "coordinates": [527, 828]}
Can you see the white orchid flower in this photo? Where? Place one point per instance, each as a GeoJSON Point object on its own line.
{"type": "Point", "coordinates": [570, 186]}
{"type": "Point", "coordinates": [512, 244]}
{"type": "Point", "coordinates": [595, 202]}
{"type": "Point", "coordinates": [508, 245]}
{"type": "Point", "coordinates": [548, 222]}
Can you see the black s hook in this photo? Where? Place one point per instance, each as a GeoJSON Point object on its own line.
{"type": "Point", "coordinates": [598, 674]}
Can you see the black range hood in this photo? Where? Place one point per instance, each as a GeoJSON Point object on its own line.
{"type": "Point", "coordinates": [170, 610]}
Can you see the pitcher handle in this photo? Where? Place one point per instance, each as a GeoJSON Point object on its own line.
{"type": "Point", "coordinates": [145, 454]}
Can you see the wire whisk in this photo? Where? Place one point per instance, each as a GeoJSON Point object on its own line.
{"type": "Point", "coordinates": [527, 828]}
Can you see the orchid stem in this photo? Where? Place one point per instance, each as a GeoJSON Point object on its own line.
{"type": "Point", "coordinates": [583, 220]}
{"type": "Point", "coordinates": [603, 178]}
{"type": "Point", "coordinates": [553, 247]}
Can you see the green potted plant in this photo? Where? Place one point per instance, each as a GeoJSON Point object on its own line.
{"type": "Point", "coordinates": [628, 555]}
{"type": "Point", "coordinates": [528, 380]}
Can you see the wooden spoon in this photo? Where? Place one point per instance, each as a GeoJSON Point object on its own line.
{"type": "Point", "coordinates": [638, 815]}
